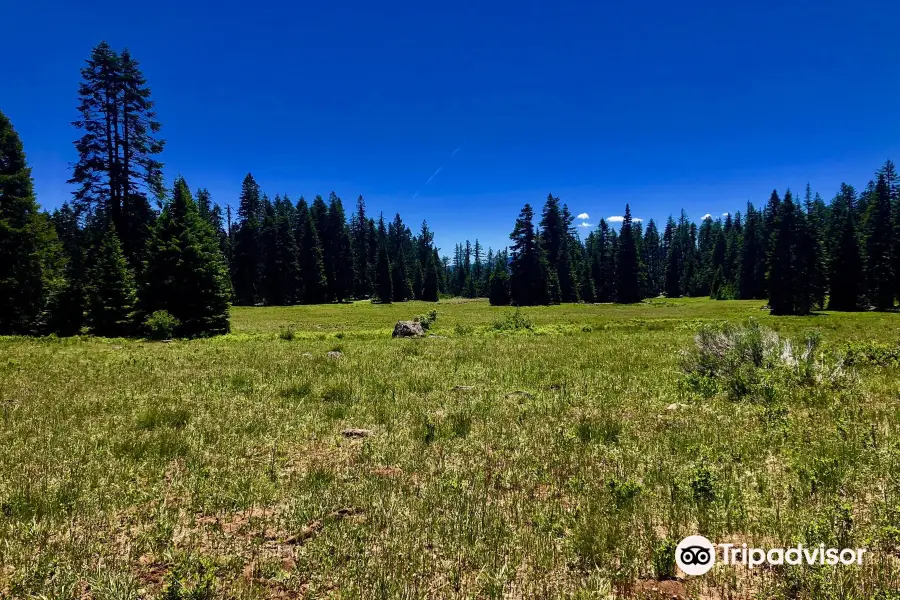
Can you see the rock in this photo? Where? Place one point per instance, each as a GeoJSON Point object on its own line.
{"type": "Point", "coordinates": [408, 329]}
{"type": "Point", "coordinates": [519, 394]}
{"type": "Point", "coordinates": [356, 433]}
{"type": "Point", "coordinates": [334, 354]}
{"type": "Point", "coordinates": [462, 388]}
{"type": "Point", "coordinates": [676, 406]}
{"type": "Point", "coordinates": [307, 354]}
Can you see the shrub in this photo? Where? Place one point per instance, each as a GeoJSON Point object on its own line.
{"type": "Point", "coordinates": [754, 362]}
{"type": "Point", "coordinates": [287, 333]}
{"type": "Point", "coordinates": [664, 559]}
{"type": "Point", "coordinates": [161, 325]}
{"type": "Point", "coordinates": [514, 321]}
{"type": "Point", "coordinates": [426, 320]}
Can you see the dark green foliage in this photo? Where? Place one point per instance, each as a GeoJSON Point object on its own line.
{"type": "Point", "coordinates": [185, 272]}
{"type": "Point", "coordinates": [430, 285]}
{"type": "Point", "coordinates": [161, 325]}
{"type": "Point", "coordinates": [845, 265]}
{"type": "Point", "coordinates": [529, 279]}
{"type": "Point", "coordinates": [67, 314]}
{"type": "Point", "coordinates": [31, 259]}
{"type": "Point", "coordinates": [627, 263]}
{"type": "Point", "coordinates": [117, 165]}
{"type": "Point", "coordinates": [110, 289]}
{"type": "Point", "coordinates": [384, 287]}
{"type": "Point", "coordinates": [246, 255]}
{"type": "Point", "coordinates": [879, 247]}
{"type": "Point", "coordinates": [498, 294]}
{"type": "Point", "coordinates": [338, 252]}
{"type": "Point", "coordinates": [281, 271]}
{"type": "Point", "coordinates": [554, 240]}
{"type": "Point", "coordinates": [311, 261]}
{"type": "Point", "coordinates": [789, 277]}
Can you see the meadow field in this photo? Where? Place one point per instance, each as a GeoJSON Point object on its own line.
{"type": "Point", "coordinates": [556, 452]}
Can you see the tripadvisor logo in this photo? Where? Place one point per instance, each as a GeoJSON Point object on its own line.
{"type": "Point", "coordinates": [695, 555]}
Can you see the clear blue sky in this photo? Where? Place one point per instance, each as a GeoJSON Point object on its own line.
{"type": "Point", "coordinates": [700, 105]}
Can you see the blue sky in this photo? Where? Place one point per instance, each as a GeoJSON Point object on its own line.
{"type": "Point", "coordinates": [665, 105]}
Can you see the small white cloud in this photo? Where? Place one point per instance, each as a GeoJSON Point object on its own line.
{"type": "Point", "coordinates": [585, 224]}
{"type": "Point", "coordinates": [705, 217]}
{"type": "Point", "coordinates": [615, 219]}
{"type": "Point", "coordinates": [636, 220]}
{"type": "Point", "coordinates": [583, 216]}
{"type": "Point", "coordinates": [725, 214]}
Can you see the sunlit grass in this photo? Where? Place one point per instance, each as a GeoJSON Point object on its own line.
{"type": "Point", "coordinates": [218, 467]}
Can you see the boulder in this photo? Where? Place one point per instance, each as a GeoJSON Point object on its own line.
{"type": "Point", "coordinates": [408, 329]}
{"type": "Point", "coordinates": [334, 354]}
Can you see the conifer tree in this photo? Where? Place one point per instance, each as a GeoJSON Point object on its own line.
{"type": "Point", "coordinates": [117, 166]}
{"type": "Point", "coordinates": [529, 270]}
{"type": "Point", "coordinates": [845, 263]}
{"type": "Point", "coordinates": [499, 292]}
{"type": "Point", "coordinates": [879, 247]}
{"type": "Point", "coordinates": [310, 257]}
{"type": "Point", "coordinates": [110, 287]}
{"type": "Point", "coordinates": [653, 259]}
{"type": "Point", "coordinates": [363, 264]}
{"type": "Point", "coordinates": [246, 253]}
{"type": "Point", "coordinates": [185, 272]}
{"type": "Point", "coordinates": [67, 314]}
{"type": "Point", "coordinates": [384, 287]}
{"type": "Point", "coordinates": [430, 291]}
{"type": "Point", "coordinates": [339, 252]}
{"type": "Point", "coordinates": [627, 264]}
{"type": "Point", "coordinates": [31, 259]}
{"type": "Point", "coordinates": [789, 274]}
{"type": "Point", "coordinates": [751, 255]}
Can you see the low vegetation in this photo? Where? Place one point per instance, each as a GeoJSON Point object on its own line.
{"type": "Point", "coordinates": [565, 462]}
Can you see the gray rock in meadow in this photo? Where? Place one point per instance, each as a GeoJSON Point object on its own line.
{"type": "Point", "coordinates": [408, 329]}
{"type": "Point", "coordinates": [334, 354]}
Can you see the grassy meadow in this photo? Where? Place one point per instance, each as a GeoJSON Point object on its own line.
{"type": "Point", "coordinates": [560, 459]}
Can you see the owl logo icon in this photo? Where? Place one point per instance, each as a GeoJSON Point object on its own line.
{"type": "Point", "coordinates": [695, 555]}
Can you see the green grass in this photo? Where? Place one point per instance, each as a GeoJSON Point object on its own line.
{"type": "Point", "coordinates": [217, 468]}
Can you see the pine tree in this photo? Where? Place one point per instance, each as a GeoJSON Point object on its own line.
{"type": "Point", "coordinates": [246, 269]}
{"type": "Point", "coordinates": [552, 241]}
{"type": "Point", "coordinates": [653, 259]}
{"type": "Point", "coordinates": [339, 252]}
{"type": "Point", "coordinates": [499, 293]}
{"type": "Point", "coordinates": [789, 276]}
{"type": "Point", "coordinates": [117, 166]}
{"type": "Point", "coordinates": [529, 268]}
{"type": "Point", "coordinates": [430, 289]}
{"type": "Point", "coordinates": [384, 287]}
{"type": "Point", "coordinates": [67, 314]}
{"type": "Point", "coordinates": [751, 255]}
{"type": "Point", "coordinates": [879, 247]}
{"type": "Point", "coordinates": [310, 257]}
{"type": "Point", "coordinates": [110, 287]}
{"type": "Point", "coordinates": [627, 264]}
{"type": "Point", "coordinates": [362, 263]}
{"type": "Point", "coordinates": [845, 264]}
{"type": "Point", "coordinates": [185, 272]}
{"type": "Point", "coordinates": [282, 269]}
{"type": "Point", "coordinates": [32, 263]}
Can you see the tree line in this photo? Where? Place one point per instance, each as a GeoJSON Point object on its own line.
{"type": "Point", "coordinates": [126, 249]}
{"type": "Point", "coordinates": [799, 255]}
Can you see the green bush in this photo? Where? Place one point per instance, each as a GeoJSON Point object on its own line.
{"type": "Point", "coordinates": [514, 321]}
{"type": "Point", "coordinates": [161, 325]}
{"type": "Point", "coordinates": [287, 333]}
{"type": "Point", "coordinates": [755, 363]}
{"type": "Point", "coordinates": [426, 320]}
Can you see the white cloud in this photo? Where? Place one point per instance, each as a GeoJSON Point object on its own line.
{"type": "Point", "coordinates": [725, 214]}
{"type": "Point", "coordinates": [636, 220]}
{"type": "Point", "coordinates": [583, 216]}
{"type": "Point", "coordinates": [705, 217]}
{"type": "Point", "coordinates": [615, 219]}
{"type": "Point", "coordinates": [585, 224]}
